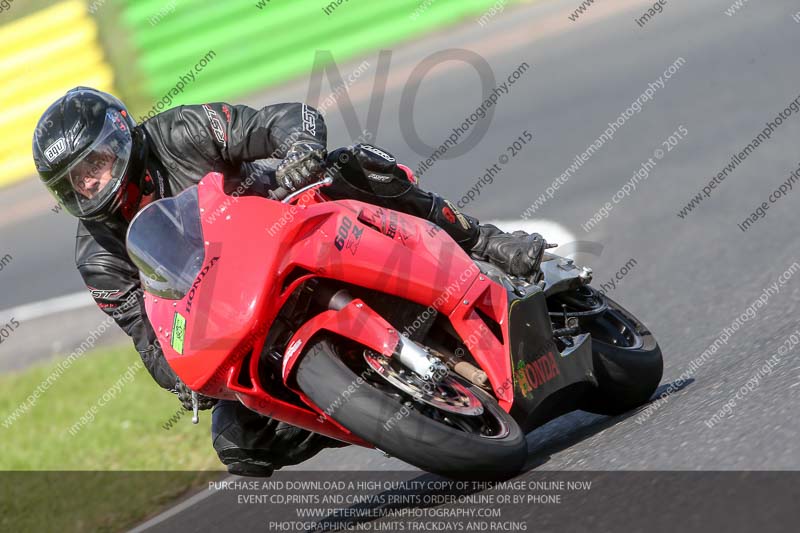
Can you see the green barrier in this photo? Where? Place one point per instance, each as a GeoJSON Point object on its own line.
{"type": "Point", "coordinates": [252, 48]}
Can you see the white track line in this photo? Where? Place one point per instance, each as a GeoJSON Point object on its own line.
{"type": "Point", "coordinates": [50, 306]}
{"type": "Point", "coordinates": [552, 232]}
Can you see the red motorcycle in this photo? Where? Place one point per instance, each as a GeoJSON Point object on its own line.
{"type": "Point", "coordinates": [375, 328]}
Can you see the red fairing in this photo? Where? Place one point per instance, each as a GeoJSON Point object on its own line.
{"type": "Point", "coordinates": [492, 300]}
{"type": "Point", "coordinates": [355, 321]}
{"type": "Point", "coordinates": [257, 251]}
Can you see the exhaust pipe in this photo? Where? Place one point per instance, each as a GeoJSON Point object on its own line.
{"type": "Point", "coordinates": [331, 297]}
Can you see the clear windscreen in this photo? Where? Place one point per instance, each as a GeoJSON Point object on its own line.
{"type": "Point", "coordinates": [165, 241]}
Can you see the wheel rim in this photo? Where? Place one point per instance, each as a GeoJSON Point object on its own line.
{"type": "Point", "coordinates": [610, 327]}
{"type": "Point", "coordinates": [613, 329]}
{"type": "Point", "coordinates": [451, 402]}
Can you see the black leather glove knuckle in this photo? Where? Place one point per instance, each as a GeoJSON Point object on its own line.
{"type": "Point", "coordinates": [301, 165]}
{"type": "Point", "coordinates": [296, 179]}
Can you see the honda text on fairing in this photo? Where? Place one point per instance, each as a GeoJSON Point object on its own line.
{"type": "Point", "coordinates": [375, 328]}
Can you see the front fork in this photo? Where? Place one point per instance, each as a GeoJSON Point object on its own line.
{"type": "Point", "coordinates": [410, 354]}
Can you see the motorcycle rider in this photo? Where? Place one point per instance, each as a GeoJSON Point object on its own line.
{"type": "Point", "coordinates": [103, 168]}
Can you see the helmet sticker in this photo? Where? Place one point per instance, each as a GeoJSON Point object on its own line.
{"type": "Point", "coordinates": [55, 149]}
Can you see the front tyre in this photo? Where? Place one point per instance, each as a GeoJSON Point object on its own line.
{"type": "Point", "coordinates": [442, 443]}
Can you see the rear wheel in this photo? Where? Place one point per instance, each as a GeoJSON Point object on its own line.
{"type": "Point", "coordinates": [627, 359]}
{"type": "Point", "coordinates": [458, 431]}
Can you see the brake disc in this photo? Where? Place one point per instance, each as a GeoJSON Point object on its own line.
{"type": "Point", "coordinates": [449, 394]}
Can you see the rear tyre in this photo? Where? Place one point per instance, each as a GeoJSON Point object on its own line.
{"type": "Point", "coordinates": [627, 361]}
{"type": "Point", "coordinates": [445, 446]}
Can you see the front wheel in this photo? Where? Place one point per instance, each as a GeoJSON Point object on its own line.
{"type": "Point", "coordinates": [460, 446]}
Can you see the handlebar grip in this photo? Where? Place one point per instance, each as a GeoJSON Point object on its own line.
{"type": "Point", "coordinates": [279, 193]}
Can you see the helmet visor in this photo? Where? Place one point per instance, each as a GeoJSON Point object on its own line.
{"type": "Point", "coordinates": [90, 182]}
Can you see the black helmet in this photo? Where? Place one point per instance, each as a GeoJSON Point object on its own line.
{"type": "Point", "coordinates": [91, 156]}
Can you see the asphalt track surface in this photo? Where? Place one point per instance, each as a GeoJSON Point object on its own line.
{"type": "Point", "coordinates": [693, 276]}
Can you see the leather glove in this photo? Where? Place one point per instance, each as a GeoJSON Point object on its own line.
{"type": "Point", "coordinates": [185, 397]}
{"type": "Point", "coordinates": [302, 165]}
{"type": "Point", "coordinates": [518, 253]}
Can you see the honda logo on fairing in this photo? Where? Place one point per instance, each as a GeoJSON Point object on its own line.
{"type": "Point", "coordinates": [198, 280]}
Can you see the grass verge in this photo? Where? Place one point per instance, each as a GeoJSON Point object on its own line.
{"type": "Point", "coordinates": [136, 451]}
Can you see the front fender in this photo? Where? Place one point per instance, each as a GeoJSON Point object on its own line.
{"type": "Point", "coordinates": [355, 321]}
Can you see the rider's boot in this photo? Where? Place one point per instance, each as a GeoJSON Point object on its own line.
{"type": "Point", "coordinates": [370, 174]}
{"type": "Point", "coordinates": [253, 445]}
